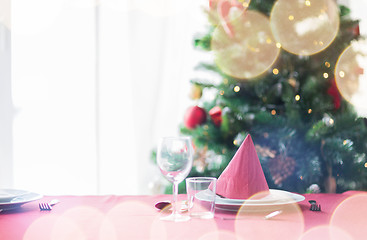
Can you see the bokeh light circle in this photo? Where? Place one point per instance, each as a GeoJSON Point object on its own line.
{"type": "Point", "coordinates": [257, 227]}
{"type": "Point", "coordinates": [80, 222]}
{"type": "Point", "coordinates": [250, 51]}
{"type": "Point", "coordinates": [351, 215]}
{"type": "Point", "coordinates": [218, 235]}
{"type": "Point", "coordinates": [46, 223]}
{"type": "Point", "coordinates": [351, 75]}
{"type": "Point", "coordinates": [326, 233]}
{"type": "Point", "coordinates": [125, 221]}
{"type": "Point", "coordinates": [67, 228]}
{"type": "Point", "coordinates": [305, 27]}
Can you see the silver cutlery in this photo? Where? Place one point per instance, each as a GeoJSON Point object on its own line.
{"type": "Point", "coordinates": [314, 206]}
{"type": "Point", "coordinates": [48, 206]}
{"type": "Point", "coordinates": [162, 205]}
{"type": "Point", "coordinates": [267, 217]}
{"type": "Point", "coordinates": [166, 205]}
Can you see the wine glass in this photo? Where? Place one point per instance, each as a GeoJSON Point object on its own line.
{"type": "Point", "coordinates": [174, 158]}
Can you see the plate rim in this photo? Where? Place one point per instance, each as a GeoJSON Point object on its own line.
{"type": "Point", "coordinates": [28, 196]}
{"type": "Point", "coordinates": [12, 193]}
{"type": "Point", "coordinates": [294, 198]}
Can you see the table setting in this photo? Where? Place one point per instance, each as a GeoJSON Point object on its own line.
{"type": "Point", "coordinates": [241, 186]}
{"type": "Point", "coordinates": [236, 205]}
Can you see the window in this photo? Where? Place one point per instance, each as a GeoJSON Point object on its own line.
{"type": "Point", "coordinates": [93, 87]}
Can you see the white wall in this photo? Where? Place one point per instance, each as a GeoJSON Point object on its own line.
{"type": "Point", "coordinates": [6, 109]}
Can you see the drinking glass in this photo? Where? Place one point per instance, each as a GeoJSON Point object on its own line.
{"type": "Point", "coordinates": [204, 206]}
{"type": "Point", "coordinates": [174, 158]}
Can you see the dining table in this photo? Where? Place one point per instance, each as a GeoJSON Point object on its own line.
{"type": "Point", "coordinates": [110, 217]}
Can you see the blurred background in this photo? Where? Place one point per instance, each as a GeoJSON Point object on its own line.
{"type": "Point", "coordinates": [88, 87]}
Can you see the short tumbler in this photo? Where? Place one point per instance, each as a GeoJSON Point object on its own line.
{"type": "Point", "coordinates": [201, 196]}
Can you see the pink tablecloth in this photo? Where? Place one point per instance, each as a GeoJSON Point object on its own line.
{"type": "Point", "coordinates": [343, 216]}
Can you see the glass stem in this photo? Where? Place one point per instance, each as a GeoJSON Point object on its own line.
{"type": "Point", "coordinates": [175, 196]}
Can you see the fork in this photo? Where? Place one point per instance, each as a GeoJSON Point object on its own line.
{"type": "Point", "coordinates": [314, 206]}
{"type": "Point", "coordinates": [48, 206]}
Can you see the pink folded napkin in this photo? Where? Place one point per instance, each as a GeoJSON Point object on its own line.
{"type": "Point", "coordinates": [243, 177]}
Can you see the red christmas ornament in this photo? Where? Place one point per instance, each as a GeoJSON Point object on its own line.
{"type": "Point", "coordinates": [334, 92]}
{"type": "Point", "coordinates": [216, 115]}
{"type": "Point", "coordinates": [212, 3]}
{"type": "Point", "coordinates": [356, 31]}
{"type": "Point", "coordinates": [194, 116]}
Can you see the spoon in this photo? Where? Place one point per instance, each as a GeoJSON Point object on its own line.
{"type": "Point", "coordinates": [166, 205]}
{"type": "Point", "coordinates": [163, 205]}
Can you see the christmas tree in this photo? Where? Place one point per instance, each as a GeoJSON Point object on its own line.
{"type": "Point", "coordinates": [276, 61]}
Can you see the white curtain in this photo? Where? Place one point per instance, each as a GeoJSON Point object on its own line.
{"type": "Point", "coordinates": [6, 109]}
{"type": "Point", "coordinates": [94, 85]}
{"type": "Point", "coordinates": [53, 88]}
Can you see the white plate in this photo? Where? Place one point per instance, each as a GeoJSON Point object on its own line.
{"type": "Point", "coordinates": [6, 195]}
{"type": "Point", "coordinates": [274, 199]}
{"type": "Point", "coordinates": [13, 198]}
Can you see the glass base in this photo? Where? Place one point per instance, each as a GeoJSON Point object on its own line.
{"type": "Point", "coordinates": [202, 215]}
{"type": "Point", "coordinates": [176, 218]}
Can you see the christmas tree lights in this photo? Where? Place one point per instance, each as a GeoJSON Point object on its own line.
{"type": "Point", "coordinates": [304, 131]}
